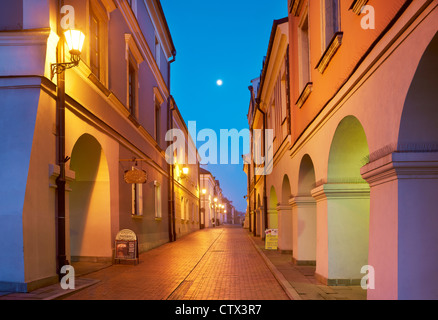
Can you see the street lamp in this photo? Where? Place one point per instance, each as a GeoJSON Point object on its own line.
{"type": "Point", "coordinates": [203, 207]}
{"type": "Point", "coordinates": [185, 172]}
{"type": "Point", "coordinates": [75, 41]}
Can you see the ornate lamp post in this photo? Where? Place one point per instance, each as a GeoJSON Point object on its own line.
{"type": "Point", "coordinates": [75, 40]}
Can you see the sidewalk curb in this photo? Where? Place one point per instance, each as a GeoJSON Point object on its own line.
{"type": "Point", "coordinates": [51, 292]}
{"type": "Point", "coordinates": [287, 287]}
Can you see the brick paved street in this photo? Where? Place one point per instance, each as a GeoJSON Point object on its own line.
{"type": "Point", "coordinates": [211, 264]}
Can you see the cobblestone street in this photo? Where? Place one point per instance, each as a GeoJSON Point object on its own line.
{"type": "Point", "coordinates": [211, 264]}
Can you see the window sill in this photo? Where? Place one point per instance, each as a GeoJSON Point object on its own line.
{"type": "Point", "coordinates": [158, 219]}
{"type": "Point", "coordinates": [134, 120]}
{"type": "Point", "coordinates": [330, 52]}
{"type": "Point", "coordinates": [295, 6]}
{"type": "Point", "coordinates": [305, 94]}
{"type": "Point", "coordinates": [96, 81]}
{"type": "Point", "coordinates": [357, 6]}
{"type": "Point", "coordinates": [134, 216]}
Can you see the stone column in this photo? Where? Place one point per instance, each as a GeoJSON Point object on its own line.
{"type": "Point", "coordinates": [285, 229]}
{"type": "Point", "coordinates": [304, 230]}
{"type": "Point", "coordinates": [342, 232]}
{"type": "Point", "coordinates": [403, 225]}
{"type": "Point", "coordinates": [260, 223]}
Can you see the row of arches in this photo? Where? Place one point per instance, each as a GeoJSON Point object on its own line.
{"type": "Point", "coordinates": [343, 201]}
{"type": "Point", "coordinates": [341, 222]}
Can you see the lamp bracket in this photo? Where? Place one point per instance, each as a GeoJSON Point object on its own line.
{"type": "Point", "coordinates": [58, 68]}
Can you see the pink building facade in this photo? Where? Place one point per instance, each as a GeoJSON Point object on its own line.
{"type": "Point", "coordinates": [355, 170]}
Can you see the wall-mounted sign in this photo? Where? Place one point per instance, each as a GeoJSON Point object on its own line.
{"type": "Point", "coordinates": [136, 176]}
{"type": "Point", "coordinates": [126, 246]}
{"type": "Point", "coordinates": [271, 240]}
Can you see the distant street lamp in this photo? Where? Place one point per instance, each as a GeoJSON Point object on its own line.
{"type": "Point", "coordinates": [75, 41]}
{"type": "Point", "coordinates": [185, 172]}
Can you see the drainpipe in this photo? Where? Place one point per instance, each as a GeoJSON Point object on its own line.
{"type": "Point", "coordinates": [200, 192]}
{"type": "Point", "coordinates": [61, 158]}
{"type": "Point", "coordinates": [171, 180]}
{"type": "Point", "coordinates": [251, 88]}
{"type": "Point", "coordinates": [265, 198]}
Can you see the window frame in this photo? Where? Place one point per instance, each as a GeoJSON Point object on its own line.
{"type": "Point", "coordinates": [304, 52]}
{"type": "Point", "coordinates": [132, 89]}
{"type": "Point", "coordinates": [326, 38]}
{"type": "Point", "coordinates": [133, 60]}
{"type": "Point", "coordinates": [158, 208]}
{"type": "Point", "coordinates": [137, 203]}
{"type": "Point", "coordinates": [100, 14]}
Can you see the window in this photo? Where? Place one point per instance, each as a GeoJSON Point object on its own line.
{"type": "Point", "coordinates": [331, 21]}
{"type": "Point", "coordinates": [137, 200]}
{"type": "Point", "coordinates": [132, 92]}
{"type": "Point", "coordinates": [158, 208]}
{"type": "Point", "coordinates": [304, 52]}
{"type": "Point", "coordinates": [158, 101]}
{"type": "Point", "coordinates": [157, 51]}
{"type": "Point", "coordinates": [157, 120]}
{"type": "Point", "coordinates": [97, 42]}
{"type": "Point", "coordinates": [182, 208]}
{"type": "Point", "coordinates": [283, 94]}
{"type": "Point", "coordinates": [94, 44]}
{"type": "Point", "coordinates": [133, 60]}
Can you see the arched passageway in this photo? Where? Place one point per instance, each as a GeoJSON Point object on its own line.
{"type": "Point", "coordinates": [284, 211]}
{"type": "Point", "coordinates": [304, 216]}
{"type": "Point", "coordinates": [343, 207]}
{"type": "Point", "coordinates": [89, 203]}
{"type": "Point", "coordinates": [272, 210]}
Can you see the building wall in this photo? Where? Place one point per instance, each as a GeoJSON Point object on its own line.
{"type": "Point", "coordinates": [353, 127]}
{"type": "Point", "coordinates": [355, 43]}
{"type": "Point", "coordinates": [99, 129]}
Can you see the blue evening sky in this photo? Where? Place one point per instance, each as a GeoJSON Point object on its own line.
{"type": "Point", "coordinates": [225, 40]}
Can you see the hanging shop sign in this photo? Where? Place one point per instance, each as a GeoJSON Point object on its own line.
{"type": "Point", "coordinates": [136, 176]}
{"type": "Point", "coordinates": [126, 246]}
{"type": "Point", "coordinates": [271, 240]}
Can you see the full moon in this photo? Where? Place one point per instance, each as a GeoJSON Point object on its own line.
{"type": "Point", "coordinates": [220, 83]}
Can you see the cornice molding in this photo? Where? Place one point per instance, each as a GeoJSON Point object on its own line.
{"type": "Point", "coordinates": [401, 166]}
{"type": "Point", "coordinates": [341, 191]}
{"type": "Point", "coordinates": [300, 201]}
{"type": "Point", "coordinates": [25, 37]}
{"type": "Point", "coordinates": [284, 209]}
{"type": "Point", "coordinates": [131, 46]}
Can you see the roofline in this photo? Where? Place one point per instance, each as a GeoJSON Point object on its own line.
{"type": "Point", "coordinates": [268, 56]}
{"type": "Point", "coordinates": [166, 26]}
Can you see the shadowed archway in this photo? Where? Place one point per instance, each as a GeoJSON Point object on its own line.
{"type": "Point", "coordinates": [304, 216]}
{"type": "Point", "coordinates": [272, 210]}
{"type": "Point", "coordinates": [343, 208]}
{"type": "Point", "coordinates": [89, 203]}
